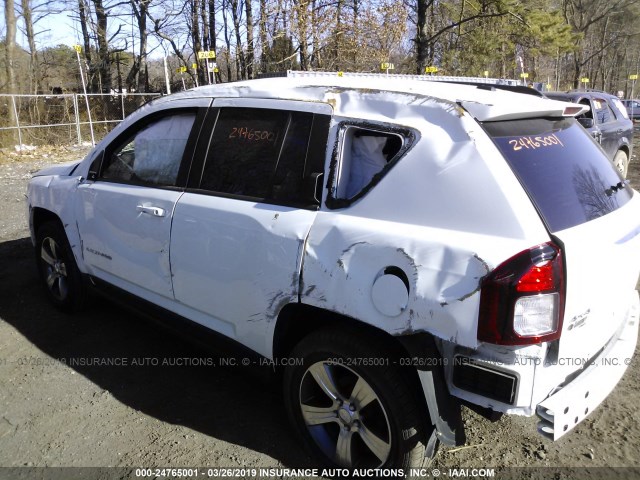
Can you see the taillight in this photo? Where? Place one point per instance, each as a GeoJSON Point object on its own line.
{"type": "Point", "coordinates": [522, 300]}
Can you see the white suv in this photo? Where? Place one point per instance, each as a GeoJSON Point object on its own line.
{"type": "Point", "coordinates": [410, 245]}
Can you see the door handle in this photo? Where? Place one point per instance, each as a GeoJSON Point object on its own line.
{"type": "Point", "coordinates": [153, 211]}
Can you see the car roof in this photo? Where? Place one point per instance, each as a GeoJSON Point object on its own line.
{"type": "Point", "coordinates": [345, 95]}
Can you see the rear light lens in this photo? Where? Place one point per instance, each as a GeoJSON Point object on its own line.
{"type": "Point", "coordinates": [536, 315]}
{"type": "Point", "coordinates": [522, 300]}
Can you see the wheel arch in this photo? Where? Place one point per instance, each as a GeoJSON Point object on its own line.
{"type": "Point", "coordinates": [626, 149]}
{"type": "Point", "coordinates": [297, 320]}
{"type": "Point", "coordinates": [40, 216]}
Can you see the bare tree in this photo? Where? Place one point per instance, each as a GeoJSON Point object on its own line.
{"type": "Point", "coordinates": [583, 16]}
{"type": "Point", "coordinates": [236, 15]}
{"type": "Point", "coordinates": [213, 33]}
{"type": "Point", "coordinates": [34, 65]}
{"type": "Point", "coordinates": [250, 43]}
{"type": "Point", "coordinates": [10, 48]}
{"type": "Point", "coordinates": [137, 78]}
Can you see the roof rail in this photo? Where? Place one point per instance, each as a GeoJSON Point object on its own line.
{"type": "Point", "coordinates": [591, 90]}
{"type": "Point", "coordinates": [426, 78]}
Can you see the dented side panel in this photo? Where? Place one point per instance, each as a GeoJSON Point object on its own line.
{"type": "Point", "coordinates": [347, 258]}
{"type": "Point", "coordinates": [56, 194]}
{"type": "Point", "coordinates": [236, 263]}
{"type": "Point", "coordinates": [439, 220]}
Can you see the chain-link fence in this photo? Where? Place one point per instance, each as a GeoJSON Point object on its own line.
{"type": "Point", "coordinates": [63, 119]}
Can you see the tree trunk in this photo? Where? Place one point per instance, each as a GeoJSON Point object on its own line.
{"type": "Point", "coordinates": [84, 26]}
{"type": "Point", "coordinates": [195, 38]}
{"type": "Point", "coordinates": [337, 37]}
{"type": "Point", "coordinates": [242, 65]}
{"type": "Point", "coordinates": [10, 48]}
{"type": "Point", "coordinates": [205, 25]}
{"type": "Point", "coordinates": [212, 34]}
{"type": "Point", "coordinates": [303, 24]}
{"type": "Point", "coordinates": [250, 43]}
{"type": "Point", "coordinates": [227, 39]}
{"type": "Point", "coordinates": [262, 29]}
{"type": "Point", "coordinates": [34, 65]}
{"type": "Point", "coordinates": [104, 64]}
{"type": "Point", "coordinates": [136, 78]}
{"type": "Point", "coordinates": [577, 68]}
{"type": "Point", "coordinates": [422, 46]}
{"type": "Point", "coordinates": [316, 59]}
{"type": "Point", "coordinates": [356, 12]}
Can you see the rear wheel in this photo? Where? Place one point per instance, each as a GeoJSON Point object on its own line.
{"type": "Point", "coordinates": [57, 267]}
{"type": "Point", "coordinates": [352, 404]}
{"type": "Point", "coordinates": [621, 162]}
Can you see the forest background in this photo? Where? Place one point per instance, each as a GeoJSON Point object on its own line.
{"type": "Point", "coordinates": [124, 44]}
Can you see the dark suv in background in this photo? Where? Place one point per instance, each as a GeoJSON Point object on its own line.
{"type": "Point", "coordinates": [607, 122]}
{"type": "Point", "coordinates": [633, 108]}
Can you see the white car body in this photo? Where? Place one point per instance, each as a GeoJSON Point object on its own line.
{"type": "Point", "coordinates": [447, 214]}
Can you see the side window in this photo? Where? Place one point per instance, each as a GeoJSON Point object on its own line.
{"type": "Point", "coordinates": [259, 153]}
{"type": "Point", "coordinates": [603, 112]}
{"type": "Point", "coordinates": [364, 154]}
{"type": "Point", "coordinates": [152, 155]}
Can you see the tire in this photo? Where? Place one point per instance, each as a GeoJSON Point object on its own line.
{"type": "Point", "coordinates": [58, 270]}
{"type": "Point", "coordinates": [350, 415]}
{"type": "Point", "coordinates": [621, 162]}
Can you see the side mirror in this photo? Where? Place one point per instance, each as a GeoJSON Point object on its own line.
{"type": "Point", "coordinates": [586, 122]}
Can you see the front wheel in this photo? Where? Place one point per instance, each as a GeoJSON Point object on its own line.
{"type": "Point", "coordinates": [621, 162]}
{"type": "Point", "coordinates": [352, 404]}
{"type": "Point", "coordinates": [57, 267]}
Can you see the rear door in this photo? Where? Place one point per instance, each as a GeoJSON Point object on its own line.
{"type": "Point", "coordinates": [239, 230]}
{"type": "Point", "coordinates": [591, 213]}
{"type": "Point", "coordinates": [125, 208]}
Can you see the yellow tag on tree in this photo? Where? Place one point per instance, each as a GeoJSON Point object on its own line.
{"type": "Point", "coordinates": [206, 54]}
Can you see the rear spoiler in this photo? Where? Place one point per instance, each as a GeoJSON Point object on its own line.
{"type": "Point", "coordinates": [514, 106]}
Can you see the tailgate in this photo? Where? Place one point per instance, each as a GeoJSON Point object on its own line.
{"type": "Point", "coordinates": [602, 259]}
{"type": "Point", "coordinates": [593, 215]}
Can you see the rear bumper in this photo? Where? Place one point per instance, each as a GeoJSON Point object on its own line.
{"type": "Point", "coordinates": [569, 405]}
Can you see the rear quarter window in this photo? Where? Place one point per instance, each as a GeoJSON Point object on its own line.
{"type": "Point", "coordinates": [566, 175]}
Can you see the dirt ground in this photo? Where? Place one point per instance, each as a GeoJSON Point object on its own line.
{"type": "Point", "coordinates": [53, 413]}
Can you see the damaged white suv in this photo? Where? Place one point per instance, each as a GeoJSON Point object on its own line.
{"type": "Point", "coordinates": [414, 244]}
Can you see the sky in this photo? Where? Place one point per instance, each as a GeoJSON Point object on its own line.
{"type": "Point", "coordinates": [61, 28]}
{"type": "Point", "coordinates": [55, 29]}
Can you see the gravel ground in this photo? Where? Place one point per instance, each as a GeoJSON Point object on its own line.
{"type": "Point", "coordinates": [53, 413]}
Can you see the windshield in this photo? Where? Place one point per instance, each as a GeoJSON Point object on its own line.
{"type": "Point", "coordinates": [565, 173]}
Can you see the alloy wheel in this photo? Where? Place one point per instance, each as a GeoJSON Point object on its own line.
{"type": "Point", "coordinates": [344, 416]}
{"type": "Point", "coordinates": [55, 268]}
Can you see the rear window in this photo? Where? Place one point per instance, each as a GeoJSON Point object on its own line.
{"type": "Point", "coordinates": [618, 104]}
{"type": "Point", "coordinates": [568, 178]}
